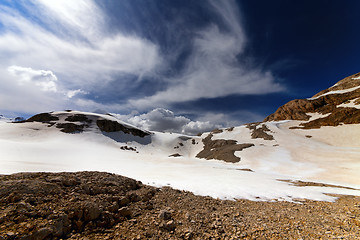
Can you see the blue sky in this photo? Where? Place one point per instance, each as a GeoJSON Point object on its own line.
{"type": "Point", "coordinates": [184, 66]}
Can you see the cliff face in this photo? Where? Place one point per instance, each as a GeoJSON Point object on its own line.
{"type": "Point", "coordinates": [340, 103]}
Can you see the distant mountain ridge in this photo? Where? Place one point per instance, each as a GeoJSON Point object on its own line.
{"type": "Point", "coordinates": [73, 121]}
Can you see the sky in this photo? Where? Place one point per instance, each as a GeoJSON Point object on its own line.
{"type": "Point", "coordinates": [182, 65]}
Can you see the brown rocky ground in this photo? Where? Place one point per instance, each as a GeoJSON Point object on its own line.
{"type": "Point", "coordinates": [93, 205]}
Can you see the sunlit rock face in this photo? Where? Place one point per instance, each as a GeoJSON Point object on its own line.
{"type": "Point", "coordinates": [340, 102]}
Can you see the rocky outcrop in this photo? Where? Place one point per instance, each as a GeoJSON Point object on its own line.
{"type": "Point", "coordinates": [78, 118]}
{"type": "Point", "coordinates": [221, 149]}
{"type": "Point", "coordinates": [337, 117]}
{"type": "Point", "coordinates": [113, 126]}
{"type": "Point", "coordinates": [324, 103]}
{"type": "Point", "coordinates": [70, 127]}
{"type": "Point", "coordinates": [293, 110]}
{"type": "Point", "coordinates": [260, 132]}
{"type": "Point", "coordinates": [41, 117]}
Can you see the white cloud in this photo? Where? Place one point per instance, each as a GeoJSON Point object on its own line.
{"type": "Point", "coordinates": [28, 96]}
{"type": "Point", "coordinates": [46, 80]}
{"type": "Point", "coordinates": [161, 119]}
{"type": "Point", "coordinates": [195, 127]}
{"type": "Point", "coordinates": [72, 93]}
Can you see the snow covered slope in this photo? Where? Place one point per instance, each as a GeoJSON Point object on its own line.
{"type": "Point", "coordinates": [296, 153]}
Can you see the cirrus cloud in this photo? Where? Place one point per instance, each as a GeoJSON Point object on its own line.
{"type": "Point", "coordinates": [213, 68]}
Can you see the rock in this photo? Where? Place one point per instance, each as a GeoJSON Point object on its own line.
{"type": "Point", "coordinates": [175, 155]}
{"type": "Point", "coordinates": [259, 132]}
{"type": "Point", "coordinates": [323, 104]}
{"type": "Point", "coordinates": [70, 127]}
{"type": "Point", "coordinates": [165, 215]}
{"type": "Point", "coordinates": [107, 220]}
{"type": "Point", "coordinates": [146, 196]}
{"type": "Point", "coordinates": [42, 233]}
{"type": "Point", "coordinates": [91, 211]}
{"type": "Point", "coordinates": [124, 212]}
{"type": "Point", "coordinates": [78, 118]}
{"type": "Point", "coordinates": [216, 131]}
{"type": "Point", "coordinates": [293, 110]}
{"type": "Point", "coordinates": [61, 225]}
{"type": "Point", "coordinates": [123, 201]}
{"type": "Point", "coordinates": [113, 126]}
{"type": "Point", "coordinates": [128, 148]}
{"type": "Point", "coordinates": [169, 225]}
{"type": "Point", "coordinates": [245, 169]}
{"type": "Point", "coordinates": [114, 207]}
{"type": "Point", "coordinates": [221, 149]}
{"type": "Point", "coordinates": [338, 116]}
{"type": "Point", "coordinates": [42, 117]}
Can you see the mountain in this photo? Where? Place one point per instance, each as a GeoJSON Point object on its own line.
{"type": "Point", "coordinates": [76, 122]}
{"type": "Point", "coordinates": [339, 104]}
{"type": "Point", "coordinates": [308, 148]}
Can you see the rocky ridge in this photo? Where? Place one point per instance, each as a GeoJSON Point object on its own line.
{"type": "Point", "coordinates": [330, 102]}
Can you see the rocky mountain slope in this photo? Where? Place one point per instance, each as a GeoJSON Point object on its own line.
{"type": "Point", "coordinates": [337, 104]}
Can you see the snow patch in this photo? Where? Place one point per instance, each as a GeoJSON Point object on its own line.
{"type": "Point", "coordinates": [350, 104]}
{"type": "Point", "coordinates": [314, 116]}
{"type": "Point", "coordinates": [336, 92]}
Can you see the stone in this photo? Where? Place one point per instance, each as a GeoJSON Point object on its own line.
{"type": "Point", "coordinates": [165, 215]}
{"type": "Point", "coordinates": [42, 233]}
{"type": "Point", "coordinates": [124, 212]}
{"type": "Point", "coordinates": [91, 211]}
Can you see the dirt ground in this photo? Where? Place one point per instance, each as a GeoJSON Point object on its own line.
{"type": "Point", "coordinates": [94, 205]}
